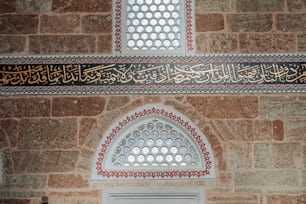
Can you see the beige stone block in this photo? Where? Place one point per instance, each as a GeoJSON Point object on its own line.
{"type": "Point", "coordinates": [81, 6]}
{"type": "Point", "coordinates": [67, 181]}
{"type": "Point", "coordinates": [115, 102]}
{"type": "Point", "coordinates": [267, 179]}
{"type": "Point", "coordinates": [20, 195]}
{"type": "Point", "coordinates": [209, 22]}
{"type": "Point", "coordinates": [9, 131]}
{"type": "Point", "coordinates": [44, 161]}
{"type": "Point", "coordinates": [12, 44]}
{"type": "Point", "coordinates": [18, 24]}
{"type": "Point", "coordinates": [262, 42]}
{"type": "Point", "coordinates": [260, 5]}
{"type": "Point", "coordinates": [34, 6]}
{"type": "Point", "coordinates": [204, 6]}
{"type": "Point", "coordinates": [243, 130]}
{"type": "Point", "coordinates": [24, 107]}
{"type": "Point", "coordinates": [239, 155]}
{"type": "Point", "coordinates": [5, 157]}
{"type": "Point", "coordinates": [286, 199]}
{"type": "Point", "coordinates": [73, 106]}
{"type": "Point", "coordinates": [87, 124]}
{"type": "Point", "coordinates": [47, 133]}
{"type": "Point", "coordinates": [249, 22]}
{"type": "Point", "coordinates": [231, 199]}
{"type": "Point", "coordinates": [84, 164]}
{"type": "Point", "coordinates": [26, 181]}
{"type": "Point", "coordinates": [304, 156]}
{"type": "Point", "coordinates": [278, 155]}
{"type": "Point", "coordinates": [15, 201]}
{"type": "Point", "coordinates": [104, 44]}
{"type": "Point", "coordinates": [67, 23]}
{"type": "Point", "coordinates": [295, 130]}
{"type": "Point", "coordinates": [276, 107]}
{"type": "Point", "coordinates": [291, 22]}
{"type": "Point", "coordinates": [223, 43]}
{"type": "Point", "coordinates": [225, 106]}
{"type": "Point", "coordinates": [97, 24]}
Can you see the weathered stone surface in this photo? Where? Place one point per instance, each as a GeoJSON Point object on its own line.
{"type": "Point", "coordinates": [8, 130]}
{"type": "Point", "coordinates": [105, 121]}
{"type": "Point", "coordinates": [73, 106]}
{"type": "Point", "coordinates": [5, 157]}
{"type": "Point", "coordinates": [267, 43]}
{"type": "Point", "coordinates": [81, 5]}
{"type": "Point", "coordinates": [260, 5]}
{"type": "Point", "coordinates": [47, 133]}
{"type": "Point", "coordinates": [104, 44]}
{"type": "Point", "coordinates": [297, 5]}
{"type": "Point", "coordinates": [243, 130]}
{"type": "Point", "coordinates": [117, 102]}
{"type": "Point", "coordinates": [44, 161]}
{"type": "Point", "coordinates": [223, 43]}
{"type": "Point", "coordinates": [7, 6]}
{"type": "Point", "coordinates": [15, 201]}
{"type": "Point", "coordinates": [26, 181]}
{"type": "Point", "coordinates": [230, 199]}
{"type": "Point", "coordinates": [24, 107]}
{"type": "Point", "coordinates": [84, 164]}
{"type": "Point", "coordinates": [204, 6]}
{"type": "Point", "coordinates": [34, 5]}
{"type": "Point", "coordinates": [278, 130]}
{"type": "Point", "coordinates": [239, 155]}
{"type": "Point", "coordinates": [20, 194]}
{"type": "Point", "coordinates": [87, 124]}
{"type": "Point", "coordinates": [71, 194]}
{"type": "Point", "coordinates": [97, 24]}
{"type": "Point", "coordinates": [18, 24]}
{"type": "Point", "coordinates": [67, 23]}
{"type": "Point", "coordinates": [267, 179]}
{"type": "Point", "coordinates": [286, 199]}
{"type": "Point", "coordinates": [72, 201]}
{"type": "Point", "coordinates": [12, 44]}
{"type": "Point", "coordinates": [209, 22]}
{"type": "Point", "coordinates": [225, 106]}
{"type": "Point", "coordinates": [283, 107]}
{"type": "Point", "coordinates": [249, 22]}
{"type": "Point", "coordinates": [278, 155]}
{"type": "Point", "coordinates": [91, 106]}
{"type": "Point", "coordinates": [201, 43]}
{"type": "Point", "coordinates": [301, 38]}
{"type": "Point", "coordinates": [62, 44]}
{"type": "Point", "coordinates": [304, 156]}
{"type": "Point", "coordinates": [291, 22]}
{"type": "Point", "coordinates": [295, 130]}
{"type": "Point", "coordinates": [152, 99]}
{"type": "Point", "coordinates": [67, 181]}
{"type": "Point", "coordinates": [3, 140]}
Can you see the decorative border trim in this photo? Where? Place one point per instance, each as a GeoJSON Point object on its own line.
{"type": "Point", "coordinates": [101, 171]}
{"type": "Point", "coordinates": [126, 75]}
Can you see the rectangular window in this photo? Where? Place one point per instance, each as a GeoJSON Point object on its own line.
{"type": "Point", "coordinates": [153, 27]}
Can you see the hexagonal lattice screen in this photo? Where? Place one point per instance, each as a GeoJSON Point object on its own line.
{"type": "Point", "coordinates": [153, 142]}
{"type": "Point", "coordinates": [145, 27]}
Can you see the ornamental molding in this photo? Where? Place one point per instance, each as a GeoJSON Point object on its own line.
{"type": "Point", "coordinates": [243, 73]}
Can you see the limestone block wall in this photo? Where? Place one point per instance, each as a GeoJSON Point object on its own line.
{"type": "Point", "coordinates": [258, 141]}
{"type": "Point", "coordinates": [44, 27]}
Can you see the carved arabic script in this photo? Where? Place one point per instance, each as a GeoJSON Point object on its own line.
{"type": "Point", "coordinates": [150, 73]}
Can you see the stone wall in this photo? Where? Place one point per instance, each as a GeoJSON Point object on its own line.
{"type": "Point", "coordinates": [47, 142]}
{"type": "Point", "coordinates": [259, 144]}
{"type": "Point", "coordinates": [84, 27]}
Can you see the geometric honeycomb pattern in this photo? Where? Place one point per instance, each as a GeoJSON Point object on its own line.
{"type": "Point", "coordinates": [153, 142]}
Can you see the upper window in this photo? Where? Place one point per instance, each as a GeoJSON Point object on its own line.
{"type": "Point", "coordinates": [153, 27]}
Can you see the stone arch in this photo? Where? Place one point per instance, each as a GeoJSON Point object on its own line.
{"type": "Point", "coordinates": [170, 161]}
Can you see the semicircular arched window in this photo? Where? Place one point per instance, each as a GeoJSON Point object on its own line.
{"type": "Point", "coordinates": [153, 142]}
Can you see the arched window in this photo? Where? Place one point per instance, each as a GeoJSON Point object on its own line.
{"type": "Point", "coordinates": [154, 142]}
{"type": "Point", "coordinates": [153, 27]}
